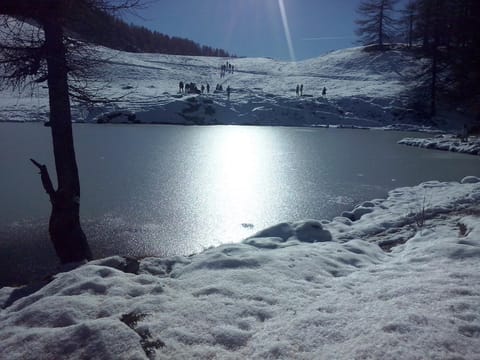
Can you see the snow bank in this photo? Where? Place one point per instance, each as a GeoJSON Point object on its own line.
{"type": "Point", "coordinates": [446, 142]}
{"type": "Point", "coordinates": [398, 281]}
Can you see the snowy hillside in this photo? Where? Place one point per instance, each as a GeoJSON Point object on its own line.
{"type": "Point", "coordinates": [362, 89]}
{"type": "Point", "coordinates": [399, 282]}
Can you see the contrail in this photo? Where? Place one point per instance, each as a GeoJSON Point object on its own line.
{"type": "Point", "coordinates": [328, 38]}
{"type": "Point", "coordinates": [286, 29]}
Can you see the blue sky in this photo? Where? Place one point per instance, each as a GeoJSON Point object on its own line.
{"type": "Point", "coordinates": [256, 27]}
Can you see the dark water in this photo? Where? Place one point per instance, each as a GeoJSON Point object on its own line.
{"type": "Point", "coordinates": [166, 190]}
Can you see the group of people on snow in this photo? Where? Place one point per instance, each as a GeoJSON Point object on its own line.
{"type": "Point", "coordinates": [191, 88]}
{"type": "Point", "coordinates": [226, 68]}
{"type": "Point", "coordinates": [219, 88]}
{"type": "Point", "coordinates": [299, 90]}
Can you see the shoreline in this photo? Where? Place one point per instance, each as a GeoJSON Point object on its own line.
{"type": "Point", "coordinates": [289, 287]}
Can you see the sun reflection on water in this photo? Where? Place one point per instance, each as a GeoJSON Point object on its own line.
{"type": "Point", "coordinates": [237, 174]}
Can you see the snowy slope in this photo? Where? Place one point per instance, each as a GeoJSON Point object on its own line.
{"type": "Point", "coordinates": [400, 282]}
{"type": "Point", "coordinates": [363, 89]}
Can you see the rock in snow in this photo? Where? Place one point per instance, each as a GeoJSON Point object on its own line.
{"type": "Point", "coordinates": [381, 287]}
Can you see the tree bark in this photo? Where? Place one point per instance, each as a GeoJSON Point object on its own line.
{"type": "Point", "coordinates": [65, 231]}
{"type": "Point", "coordinates": [433, 84]}
{"type": "Point", "coordinates": [435, 58]}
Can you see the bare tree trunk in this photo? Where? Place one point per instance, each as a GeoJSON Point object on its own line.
{"type": "Point", "coordinates": [65, 231]}
{"type": "Point", "coordinates": [410, 31]}
{"type": "Point", "coordinates": [435, 57]}
{"type": "Point", "coordinates": [433, 84]}
{"type": "Point", "coordinates": [380, 26]}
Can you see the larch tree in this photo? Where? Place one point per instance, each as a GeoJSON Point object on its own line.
{"type": "Point", "coordinates": [407, 20]}
{"type": "Point", "coordinates": [40, 56]}
{"type": "Point", "coordinates": [447, 34]}
{"type": "Point", "coordinates": [376, 24]}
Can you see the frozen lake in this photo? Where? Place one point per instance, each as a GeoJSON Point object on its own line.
{"type": "Point", "coordinates": [169, 190]}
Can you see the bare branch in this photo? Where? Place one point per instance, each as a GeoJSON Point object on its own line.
{"type": "Point", "coordinates": [45, 177]}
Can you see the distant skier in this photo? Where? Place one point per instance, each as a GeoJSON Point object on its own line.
{"type": "Point", "coordinates": [301, 90]}
{"type": "Point", "coordinates": [297, 89]}
{"type": "Point", "coordinates": [202, 88]}
{"type": "Point", "coordinates": [208, 88]}
{"type": "Point", "coordinates": [324, 91]}
{"type": "Point", "coordinates": [180, 86]}
{"type": "Point", "coordinates": [228, 92]}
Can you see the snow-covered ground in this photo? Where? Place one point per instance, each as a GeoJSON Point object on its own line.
{"type": "Point", "coordinates": [399, 282]}
{"type": "Point", "coordinates": [362, 89]}
{"type": "Point", "coordinates": [446, 142]}
{"type": "Point", "coordinates": [392, 279]}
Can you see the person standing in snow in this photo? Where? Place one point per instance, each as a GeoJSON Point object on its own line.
{"type": "Point", "coordinates": [464, 136]}
{"type": "Point", "coordinates": [324, 91]}
{"type": "Point", "coordinates": [180, 87]}
{"type": "Point", "coordinates": [202, 88]}
{"type": "Point", "coordinates": [297, 89]}
{"type": "Point", "coordinates": [301, 90]}
{"type": "Point", "coordinates": [208, 88]}
{"type": "Point", "coordinates": [228, 92]}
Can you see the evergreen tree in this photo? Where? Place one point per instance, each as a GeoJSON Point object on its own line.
{"type": "Point", "coordinates": [447, 31]}
{"type": "Point", "coordinates": [376, 24]}
{"type": "Point", "coordinates": [408, 17]}
{"type": "Point", "coordinates": [102, 28]}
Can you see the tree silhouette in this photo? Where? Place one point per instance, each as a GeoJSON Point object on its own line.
{"type": "Point", "coordinates": [407, 21]}
{"type": "Point", "coordinates": [447, 31]}
{"type": "Point", "coordinates": [38, 56]}
{"type": "Point", "coordinates": [376, 23]}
